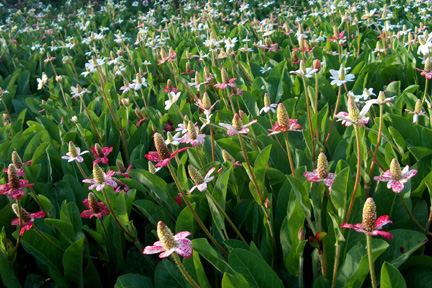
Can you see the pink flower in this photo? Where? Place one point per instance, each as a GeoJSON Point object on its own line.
{"type": "Point", "coordinates": [20, 171]}
{"type": "Point", "coordinates": [223, 86]}
{"type": "Point", "coordinates": [203, 186]}
{"type": "Point", "coordinates": [321, 173]}
{"type": "Point", "coordinates": [381, 221]}
{"type": "Point", "coordinates": [195, 138]}
{"type": "Point", "coordinates": [395, 177]}
{"type": "Point", "coordinates": [170, 243]}
{"type": "Point", "coordinates": [96, 209]}
{"type": "Point", "coordinates": [100, 179]}
{"type": "Point", "coordinates": [74, 153]}
{"type": "Point", "coordinates": [27, 219]}
{"type": "Point", "coordinates": [14, 187]}
{"type": "Point", "coordinates": [237, 126]}
{"type": "Point", "coordinates": [154, 157]}
{"type": "Point", "coordinates": [292, 127]}
{"type": "Point", "coordinates": [428, 75]}
{"type": "Point", "coordinates": [101, 154]}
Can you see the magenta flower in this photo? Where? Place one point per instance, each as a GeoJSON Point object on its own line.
{"type": "Point", "coordinates": [192, 136]}
{"type": "Point", "coordinates": [170, 243]}
{"type": "Point", "coordinates": [370, 224]}
{"type": "Point", "coordinates": [16, 160]}
{"type": "Point", "coordinates": [321, 173]}
{"type": "Point", "coordinates": [223, 86]}
{"type": "Point", "coordinates": [396, 177]}
{"type": "Point", "coordinates": [380, 223]}
{"type": "Point", "coordinates": [162, 156]}
{"type": "Point", "coordinates": [200, 183]}
{"type": "Point", "coordinates": [26, 218]}
{"type": "Point", "coordinates": [293, 126]}
{"type": "Point", "coordinates": [101, 154]}
{"type": "Point", "coordinates": [14, 187]}
{"type": "Point", "coordinates": [96, 209]}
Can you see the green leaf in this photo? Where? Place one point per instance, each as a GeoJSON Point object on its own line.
{"type": "Point", "coordinates": [255, 270]}
{"type": "Point", "coordinates": [121, 209]}
{"type": "Point", "coordinates": [73, 261]}
{"type": "Point", "coordinates": [202, 246]}
{"type": "Point", "coordinates": [153, 212]}
{"type": "Point", "coordinates": [339, 190]}
{"type": "Point", "coordinates": [260, 165]}
{"type": "Point", "coordinates": [231, 281]}
{"type": "Point", "coordinates": [301, 194]}
{"type": "Point", "coordinates": [391, 277]}
{"type": "Point", "coordinates": [133, 280]}
{"type": "Point", "coordinates": [356, 265]}
{"type": "Point", "coordinates": [6, 271]}
{"type": "Point", "coordinates": [168, 275]}
{"type": "Point", "coordinates": [185, 220]}
{"type": "Point", "coordinates": [403, 244]}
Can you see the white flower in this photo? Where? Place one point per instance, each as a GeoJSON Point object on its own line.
{"type": "Point", "coordinates": [172, 98]}
{"type": "Point", "coordinates": [42, 81]}
{"type": "Point", "coordinates": [138, 83]}
{"type": "Point", "coordinates": [340, 77]}
{"type": "Point", "coordinates": [309, 72]}
{"type": "Point", "coordinates": [265, 69]}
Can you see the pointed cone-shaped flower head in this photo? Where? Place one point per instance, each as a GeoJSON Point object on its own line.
{"type": "Point", "coordinates": [224, 74]}
{"type": "Point", "coordinates": [151, 167]}
{"type": "Point", "coordinates": [369, 215]}
{"type": "Point", "coordinates": [282, 116]}
{"type": "Point", "coordinates": [99, 150]}
{"type": "Point", "coordinates": [98, 174]}
{"type": "Point", "coordinates": [427, 67]}
{"type": "Point", "coordinates": [72, 150]}
{"type": "Point", "coordinates": [418, 107]}
{"type": "Point", "coordinates": [165, 236]}
{"type": "Point", "coordinates": [121, 166]}
{"type": "Point", "coordinates": [237, 123]}
{"type": "Point", "coordinates": [302, 66]}
{"type": "Point", "coordinates": [353, 111]}
{"type": "Point", "coordinates": [195, 175]}
{"type": "Point", "coordinates": [267, 102]}
{"type": "Point", "coordinates": [24, 215]}
{"type": "Point", "coordinates": [341, 73]}
{"type": "Point", "coordinates": [93, 203]}
{"type": "Point", "coordinates": [395, 170]}
{"type": "Point", "coordinates": [16, 160]}
{"type": "Point", "coordinates": [13, 177]}
{"type": "Point", "coordinates": [161, 147]}
{"type": "Point", "coordinates": [206, 101]}
{"type": "Point", "coordinates": [192, 130]}
{"type": "Point", "coordinates": [227, 157]}
{"type": "Point", "coordinates": [381, 96]}
{"type": "Point", "coordinates": [322, 166]}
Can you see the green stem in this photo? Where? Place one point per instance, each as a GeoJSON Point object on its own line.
{"type": "Point", "coordinates": [376, 150]}
{"type": "Point", "coordinates": [277, 139]}
{"type": "Point", "coordinates": [81, 170]}
{"type": "Point", "coordinates": [183, 270]}
{"type": "Point", "coordinates": [47, 239]}
{"type": "Point", "coordinates": [413, 219]}
{"type": "Point", "coordinates": [371, 261]}
{"type": "Point", "coordinates": [357, 181]}
{"type": "Point", "coordinates": [289, 154]}
{"type": "Point", "coordinates": [91, 121]}
{"type": "Point", "coordinates": [334, 116]}
{"type": "Point", "coordinates": [106, 235]}
{"type": "Point", "coordinates": [309, 118]}
{"type": "Point", "coordinates": [426, 87]}
{"type": "Point", "coordinates": [225, 215]}
{"type": "Point", "coordinates": [336, 263]}
{"type": "Point", "coordinates": [189, 205]}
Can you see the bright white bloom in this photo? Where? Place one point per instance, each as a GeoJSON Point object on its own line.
{"type": "Point", "coordinates": [172, 98]}
{"type": "Point", "coordinates": [340, 77]}
{"type": "Point", "coordinates": [42, 81]}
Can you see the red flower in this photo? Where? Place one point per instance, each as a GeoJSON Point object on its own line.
{"type": "Point", "coordinates": [101, 154]}
{"type": "Point", "coordinates": [293, 127]}
{"type": "Point", "coordinates": [27, 219]}
{"type": "Point", "coordinates": [154, 157]}
{"type": "Point", "coordinates": [223, 86]}
{"type": "Point", "coordinates": [96, 209]}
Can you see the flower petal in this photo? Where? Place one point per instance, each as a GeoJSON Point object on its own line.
{"type": "Point", "coordinates": [182, 235]}
{"type": "Point", "coordinates": [184, 250]}
{"type": "Point", "coordinates": [153, 249]}
{"type": "Point", "coordinates": [382, 221]}
{"type": "Point", "coordinates": [167, 253]}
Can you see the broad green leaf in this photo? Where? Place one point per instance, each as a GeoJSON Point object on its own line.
{"type": "Point", "coordinates": [391, 277]}
{"type": "Point", "coordinates": [73, 261]}
{"type": "Point", "coordinates": [202, 246]}
{"type": "Point", "coordinates": [168, 275]}
{"type": "Point", "coordinates": [133, 280]}
{"type": "Point", "coordinates": [255, 270]}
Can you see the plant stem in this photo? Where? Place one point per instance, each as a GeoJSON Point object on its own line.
{"type": "Point", "coordinates": [426, 87]}
{"type": "Point", "coordinates": [289, 154]}
{"type": "Point", "coordinates": [376, 150]}
{"type": "Point", "coordinates": [47, 239]}
{"type": "Point", "coordinates": [334, 116]}
{"type": "Point", "coordinates": [336, 263]}
{"type": "Point", "coordinates": [225, 215]}
{"type": "Point", "coordinates": [413, 219]}
{"type": "Point", "coordinates": [106, 235]}
{"type": "Point", "coordinates": [309, 118]}
{"type": "Point", "coordinates": [357, 181]}
{"type": "Point", "coordinates": [81, 170]}
{"type": "Point", "coordinates": [183, 270]}
{"type": "Point", "coordinates": [371, 261]}
{"type": "Point", "coordinates": [277, 139]}
{"type": "Point", "coordinates": [91, 121]}
{"type": "Point", "coordinates": [189, 205]}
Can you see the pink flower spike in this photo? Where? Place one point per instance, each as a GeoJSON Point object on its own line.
{"type": "Point", "coordinates": [27, 219]}
{"type": "Point", "coordinates": [170, 243]}
{"type": "Point", "coordinates": [101, 154]}
{"type": "Point", "coordinates": [395, 177]}
{"type": "Point", "coordinates": [278, 129]}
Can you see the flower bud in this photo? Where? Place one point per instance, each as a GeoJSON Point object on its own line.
{"type": "Point", "coordinates": [13, 177]}
{"type": "Point", "coordinates": [395, 170]}
{"type": "Point", "coordinates": [72, 150]}
{"type": "Point", "coordinates": [74, 119]}
{"type": "Point", "coordinates": [93, 203]}
{"type": "Point", "coordinates": [23, 215]}
{"type": "Point", "coordinates": [316, 64]}
{"type": "Point", "coordinates": [381, 96]}
{"type": "Point", "coordinates": [151, 167]}
{"type": "Point", "coordinates": [163, 53]}
{"type": "Point", "coordinates": [353, 111]}
{"type": "Point", "coordinates": [418, 107]}
{"type": "Point", "coordinates": [197, 79]}
{"type": "Point", "coordinates": [369, 215]}
{"type": "Point", "coordinates": [59, 78]}
{"type": "Point", "coordinates": [98, 174]}
{"type": "Point", "coordinates": [322, 166]}
{"type": "Point", "coordinates": [16, 160]}
{"type": "Point", "coordinates": [188, 69]}
{"type": "Point", "coordinates": [165, 236]}
{"type": "Point", "coordinates": [302, 66]}
{"type": "Point", "coordinates": [227, 157]}
{"type": "Point", "coordinates": [195, 175]}
{"type": "Point", "coordinates": [99, 150]}
{"type": "Point", "coordinates": [224, 75]}
{"type": "Point", "coordinates": [282, 116]}
{"type": "Point", "coordinates": [139, 114]}
{"type": "Point", "coordinates": [237, 123]}
{"type": "Point", "coordinates": [342, 73]}
{"type": "Point", "coordinates": [192, 130]}
{"type": "Point", "coordinates": [120, 166]}
{"type": "Point", "coordinates": [169, 85]}
{"type": "Point", "coordinates": [427, 67]}
{"type": "Point", "coordinates": [161, 147]}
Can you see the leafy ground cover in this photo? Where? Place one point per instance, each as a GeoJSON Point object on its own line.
{"type": "Point", "coordinates": [216, 144]}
